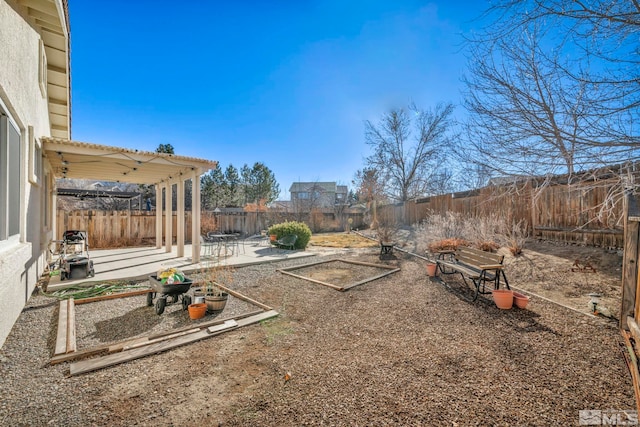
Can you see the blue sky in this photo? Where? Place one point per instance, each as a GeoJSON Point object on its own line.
{"type": "Point", "coordinates": [286, 83]}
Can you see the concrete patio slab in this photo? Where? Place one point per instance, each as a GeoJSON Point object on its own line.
{"type": "Point", "coordinates": [138, 263]}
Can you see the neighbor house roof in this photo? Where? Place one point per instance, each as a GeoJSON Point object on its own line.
{"type": "Point", "coordinates": [81, 160]}
{"type": "Point", "coordinates": [297, 187]}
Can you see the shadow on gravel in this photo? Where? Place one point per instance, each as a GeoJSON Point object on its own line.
{"type": "Point", "coordinates": [519, 320]}
{"type": "Point", "coordinates": [138, 321]}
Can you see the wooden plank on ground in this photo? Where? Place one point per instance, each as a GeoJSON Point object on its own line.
{"type": "Point", "coordinates": [203, 325]}
{"type": "Point", "coordinates": [370, 279]}
{"type": "Point", "coordinates": [311, 264]}
{"type": "Point", "coordinates": [244, 298]}
{"type": "Point", "coordinates": [93, 351]}
{"type": "Point", "coordinates": [61, 337]}
{"type": "Point", "coordinates": [119, 346]}
{"type": "Point", "coordinates": [226, 325]}
{"type": "Point", "coordinates": [632, 364]}
{"type": "Point", "coordinates": [114, 296]}
{"type": "Point", "coordinates": [71, 326]}
{"type": "Point", "coordinates": [257, 318]}
{"type": "Point", "coordinates": [309, 279]}
{"type": "Point", "coordinates": [85, 366]}
{"type": "Point", "coordinates": [368, 264]}
{"type": "Point", "coordinates": [164, 338]}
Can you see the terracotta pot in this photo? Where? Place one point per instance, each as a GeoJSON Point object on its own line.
{"type": "Point", "coordinates": [432, 269]}
{"type": "Point", "coordinates": [521, 300]}
{"type": "Point", "coordinates": [273, 237]}
{"type": "Point", "coordinates": [216, 303]}
{"type": "Point", "coordinates": [503, 298]}
{"type": "Point", "coordinates": [197, 311]}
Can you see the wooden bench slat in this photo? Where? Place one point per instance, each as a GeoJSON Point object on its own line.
{"type": "Point", "coordinates": [477, 257]}
{"type": "Point", "coordinates": [469, 271]}
{"type": "Point", "coordinates": [491, 266]}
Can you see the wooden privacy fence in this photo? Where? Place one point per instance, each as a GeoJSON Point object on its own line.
{"type": "Point", "coordinates": [122, 228]}
{"type": "Point", "coordinates": [114, 228]}
{"type": "Point", "coordinates": [125, 228]}
{"type": "Point", "coordinates": [585, 212]}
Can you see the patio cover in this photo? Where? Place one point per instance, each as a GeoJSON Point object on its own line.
{"type": "Point", "coordinates": [81, 193]}
{"type": "Point", "coordinates": [81, 160]}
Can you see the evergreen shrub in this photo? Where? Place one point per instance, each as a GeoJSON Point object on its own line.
{"type": "Point", "coordinates": [300, 229]}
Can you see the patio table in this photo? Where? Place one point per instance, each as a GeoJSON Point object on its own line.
{"type": "Point", "coordinates": [226, 240]}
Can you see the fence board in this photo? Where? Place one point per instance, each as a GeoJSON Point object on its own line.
{"type": "Point", "coordinates": [585, 212]}
{"type": "Point", "coordinates": [118, 228]}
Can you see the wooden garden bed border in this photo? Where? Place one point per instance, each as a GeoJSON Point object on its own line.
{"type": "Point", "coordinates": [122, 351]}
{"type": "Point", "coordinates": [288, 271]}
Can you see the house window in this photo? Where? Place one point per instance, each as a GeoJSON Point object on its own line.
{"type": "Point", "coordinates": [35, 158]}
{"type": "Point", "coordinates": [42, 70]}
{"type": "Point", "coordinates": [46, 200]}
{"type": "Point", "coordinates": [9, 178]}
{"type": "Point", "coordinates": [303, 195]}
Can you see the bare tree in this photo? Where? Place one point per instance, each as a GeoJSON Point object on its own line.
{"type": "Point", "coordinates": [568, 70]}
{"type": "Point", "coordinates": [530, 116]}
{"type": "Point", "coordinates": [408, 146]}
{"type": "Point", "coordinates": [369, 186]}
{"type": "Point", "coordinates": [553, 88]}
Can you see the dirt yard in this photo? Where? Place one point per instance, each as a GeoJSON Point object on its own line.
{"type": "Point", "coordinates": [401, 350]}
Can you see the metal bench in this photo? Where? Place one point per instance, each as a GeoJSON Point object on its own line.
{"type": "Point", "coordinates": [479, 266]}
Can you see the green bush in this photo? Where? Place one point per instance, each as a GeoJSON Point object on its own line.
{"type": "Point", "coordinates": [300, 229]}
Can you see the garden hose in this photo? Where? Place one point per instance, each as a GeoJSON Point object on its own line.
{"type": "Point", "coordinates": [80, 292]}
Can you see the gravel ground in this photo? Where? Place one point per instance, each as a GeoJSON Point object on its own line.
{"type": "Point", "coordinates": [401, 350]}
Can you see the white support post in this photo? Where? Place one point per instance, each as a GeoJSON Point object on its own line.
{"type": "Point", "coordinates": [195, 217]}
{"type": "Point", "coordinates": [168, 240]}
{"type": "Point", "coordinates": [180, 220]}
{"type": "Point", "coordinates": [159, 215]}
{"type": "Point", "coordinates": [53, 212]}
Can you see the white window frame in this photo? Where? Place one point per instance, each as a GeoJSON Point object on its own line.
{"type": "Point", "coordinates": [11, 192]}
{"type": "Point", "coordinates": [35, 158]}
{"type": "Point", "coordinates": [42, 69]}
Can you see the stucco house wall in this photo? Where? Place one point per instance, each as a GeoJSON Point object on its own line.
{"type": "Point", "coordinates": [23, 257]}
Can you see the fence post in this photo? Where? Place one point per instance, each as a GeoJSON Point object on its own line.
{"type": "Point", "coordinates": [630, 304]}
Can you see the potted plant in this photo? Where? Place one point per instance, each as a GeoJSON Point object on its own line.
{"type": "Point", "coordinates": [432, 268]}
{"type": "Point", "coordinates": [214, 297]}
{"type": "Point", "coordinates": [197, 311]}
{"type": "Point", "coordinates": [503, 298]}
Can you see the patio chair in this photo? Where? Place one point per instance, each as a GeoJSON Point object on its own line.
{"type": "Point", "coordinates": [287, 242]}
{"type": "Point", "coordinates": [207, 246]}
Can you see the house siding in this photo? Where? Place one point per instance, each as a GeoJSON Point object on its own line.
{"type": "Point", "coordinates": [325, 199]}
{"type": "Point", "coordinates": [22, 260]}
